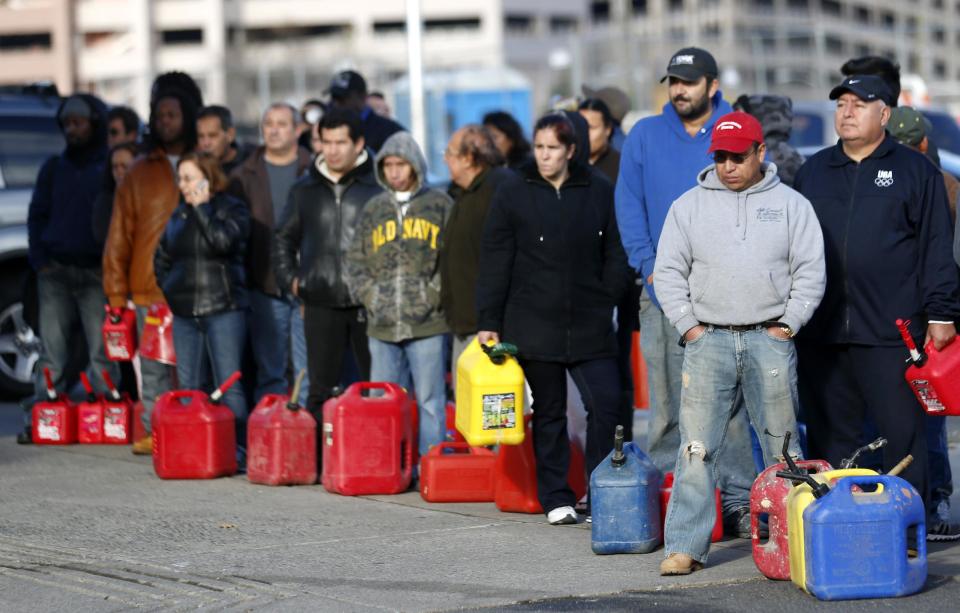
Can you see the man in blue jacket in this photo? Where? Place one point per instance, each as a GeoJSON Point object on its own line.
{"type": "Point", "coordinates": [660, 161]}
{"type": "Point", "coordinates": [887, 238]}
{"type": "Point", "coordinates": [63, 249]}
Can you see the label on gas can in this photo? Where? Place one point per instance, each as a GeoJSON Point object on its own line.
{"type": "Point", "coordinates": [113, 424]}
{"type": "Point", "coordinates": [927, 395]}
{"type": "Point", "coordinates": [48, 429]}
{"type": "Point", "coordinates": [499, 411]}
{"type": "Point", "coordinates": [116, 346]}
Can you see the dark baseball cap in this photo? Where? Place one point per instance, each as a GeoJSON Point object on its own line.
{"type": "Point", "coordinates": [691, 63]}
{"type": "Point", "coordinates": [866, 87]}
{"type": "Point", "coordinates": [345, 82]}
{"type": "Point", "coordinates": [907, 125]}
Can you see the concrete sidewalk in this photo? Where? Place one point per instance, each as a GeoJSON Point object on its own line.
{"type": "Point", "coordinates": [91, 528]}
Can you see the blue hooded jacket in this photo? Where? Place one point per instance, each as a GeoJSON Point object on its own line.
{"type": "Point", "coordinates": [58, 221]}
{"type": "Point", "coordinates": [658, 164]}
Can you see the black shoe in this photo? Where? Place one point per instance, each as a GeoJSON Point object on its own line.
{"type": "Point", "coordinates": [25, 438]}
{"type": "Point", "coordinates": [939, 531]}
{"type": "Point", "coordinates": [737, 524]}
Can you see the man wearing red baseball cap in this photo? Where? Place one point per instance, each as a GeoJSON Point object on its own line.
{"type": "Point", "coordinates": [739, 270]}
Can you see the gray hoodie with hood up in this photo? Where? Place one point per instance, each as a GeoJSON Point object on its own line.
{"type": "Point", "coordinates": [393, 263]}
{"type": "Point", "coordinates": [738, 258]}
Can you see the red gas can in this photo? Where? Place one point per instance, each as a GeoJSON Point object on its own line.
{"type": "Point", "coordinates": [368, 441]}
{"type": "Point", "coordinates": [768, 496]}
{"type": "Point", "coordinates": [453, 435]}
{"type": "Point", "coordinates": [934, 375]}
{"type": "Point", "coordinates": [666, 488]}
{"type": "Point", "coordinates": [89, 415]}
{"type": "Point", "coordinates": [515, 479]}
{"type": "Point", "coordinates": [282, 441]}
{"type": "Point", "coordinates": [120, 334]}
{"type": "Point", "coordinates": [117, 413]}
{"type": "Point", "coordinates": [54, 419]}
{"type": "Point", "coordinates": [457, 472]}
{"type": "Point", "coordinates": [194, 435]}
{"type": "Point", "coordinates": [139, 431]}
{"type": "Point", "coordinates": [157, 340]}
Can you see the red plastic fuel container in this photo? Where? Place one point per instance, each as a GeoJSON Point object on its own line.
{"type": "Point", "coordinates": [120, 334]}
{"type": "Point", "coordinates": [666, 488]}
{"type": "Point", "coordinates": [934, 376]}
{"type": "Point", "coordinates": [282, 441]}
{"type": "Point", "coordinates": [54, 419]}
{"type": "Point", "coordinates": [515, 480]}
{"type": "Point", "coordinates": [89, 415]}
{"type": "Point", "coordinates": [117, 415]}
{"type": "Point", "coordinates": [139, 431]}
{"type": "Point", "coordinates": [368, 441]}
{"type": "Point", "coordinates": [457, 472]}
{"type": "Point", "coordinates": [768, 496]}
{"type": "Point", "coordinates": [194, 435]}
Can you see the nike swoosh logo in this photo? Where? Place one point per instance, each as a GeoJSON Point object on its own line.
{"type": "Point", "coordinates": [854, 81]}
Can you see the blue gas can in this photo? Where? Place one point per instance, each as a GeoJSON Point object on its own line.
{"type": "Point", "coordinates": [856, 541]}
{"type": "Point", "coordinates": [625, 503]}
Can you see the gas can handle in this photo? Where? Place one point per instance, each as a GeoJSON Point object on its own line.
{"type": "Point", "coordinates": [86, 384]}
{"type": "Point", "coordinates": [389, 389]}
{"type": "Point", "coordinates": [114, 393]}
{"type": "Point", "coordinates": [845, 485]}
{"type": "Point", "coordinates": [51, 391]}
{"type": "Point", "coordinates": [458, 445]}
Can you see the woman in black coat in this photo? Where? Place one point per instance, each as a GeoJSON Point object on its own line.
{"type": "Point", "coordinates": [551, 269]}
{"type": "Point", "coordinates": [199, 265]}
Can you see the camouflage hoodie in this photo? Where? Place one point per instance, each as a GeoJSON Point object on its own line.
{"type": "Point", "coordinates": [393, 263]}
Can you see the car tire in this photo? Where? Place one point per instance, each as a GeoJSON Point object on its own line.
{"type": "Point", "coordinates": [19, 344]}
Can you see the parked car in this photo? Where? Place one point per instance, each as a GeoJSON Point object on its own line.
{"type": "Point", "coordinates": [29, 134]}
{"type": "Point", "coordinates": [813, 129]}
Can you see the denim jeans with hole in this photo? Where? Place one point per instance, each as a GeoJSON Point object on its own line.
{"type": "Point", "coordinates": [220, 338]}
{"type": "Point", "coordinates": [420, 362]}
{"type": "Point", "coordinates": [664, 358]}
{"type": "Point", "coordinates": [276, 333]}
{"type": "Point", "coordinates": [717, 367]}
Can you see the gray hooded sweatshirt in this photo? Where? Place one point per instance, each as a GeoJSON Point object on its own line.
{"type": "Point", "coordinates": [393, 263]}
{"type": "Point", "coordinates": [738, 258]}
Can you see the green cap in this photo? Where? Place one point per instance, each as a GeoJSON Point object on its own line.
{"type": "Point", "coordinates": [907, 125]}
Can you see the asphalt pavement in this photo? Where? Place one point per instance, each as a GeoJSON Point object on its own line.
{"type": "Point", "coordinates": [91, 528]}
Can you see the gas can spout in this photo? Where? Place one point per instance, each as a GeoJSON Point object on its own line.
{"type": "Point", "coordinates": [618, 458]}
{"type": "Point", "coordinates": [293, 403]}
{"type": "Point", "coordinates": [916, 355]}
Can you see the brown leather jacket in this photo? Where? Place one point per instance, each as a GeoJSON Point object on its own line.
{"type": "Point", "coordinates": [141, 209]}
{"type": "Point", "coordinates": [249, 182]}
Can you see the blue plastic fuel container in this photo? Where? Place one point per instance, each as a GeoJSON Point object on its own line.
{"type": "Point", "coordinates": [625, 501]}
{"type": "Point", "coordinates": [856, 541]}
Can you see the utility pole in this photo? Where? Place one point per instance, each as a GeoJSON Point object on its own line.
{"type": "Point", "coordinates": [418, 127]}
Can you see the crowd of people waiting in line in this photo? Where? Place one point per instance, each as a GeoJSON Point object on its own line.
{"type": "Point", "coordinates": [325, 249]}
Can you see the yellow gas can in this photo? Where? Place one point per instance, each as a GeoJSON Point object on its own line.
{"type": "Point", "coordinates": [797, 500]}
{"type": "Point", "coordinates": [489, 398]}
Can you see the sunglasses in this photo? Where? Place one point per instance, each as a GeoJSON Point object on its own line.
{"type": "Point", "coordinates": [721, 157]}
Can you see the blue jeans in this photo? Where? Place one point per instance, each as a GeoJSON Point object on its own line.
{"type": "Point", "coordinates": [717, 367]}
{"type": "Point", "coordinates": [276, 331]}
{"type": "Point", "coordinates": [938, 461]}
{"type": "Point", "coordinates": [664, 358]}
{"type": "Point", "coordinates": [71, 296]}
{"type": "Point", "coordinates": [219, 338]}
{"type": "Point", "coordinates": [155, 377]}
{"type": "Point", "coordinates": [418, 361]}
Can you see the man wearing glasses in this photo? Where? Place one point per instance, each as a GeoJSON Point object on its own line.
{"type": "Point", "coordinates": [739, 270]}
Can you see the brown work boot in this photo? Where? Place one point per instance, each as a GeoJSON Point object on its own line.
{"type": "Point", "coordinates": [679, 564]}
{"type": "Point", "coordinates": [143, 446]}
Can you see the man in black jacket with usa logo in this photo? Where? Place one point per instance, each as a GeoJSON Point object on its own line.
{"type": "Point", "coordinates": [887, 236]}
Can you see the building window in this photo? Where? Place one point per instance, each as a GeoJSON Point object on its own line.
{"type": "Point", "coordinates": [388, 27]}
{"type": "Point", "coordinates": [798, 5]}
{"type": "Point", "coordinates": [888, 20]}
{"type": "Point", "coordinates": [182, 37]}
{"type": "Point", "coordinates": [675, 6]}
{"type": "Point", "coordinates": [274, 35]}
{"type": "Point", "coordinates": [563, 24]}
{"type": "Point", "coordinates": [831, 8]}
{"type": "Point", "coordinates": [834, 44]}
{"type": "Point", "coordinates": [939, 35]}
{"type": "Point", "coordinates": [26, 41]}
{"type": "Point", "coordinates": [939, 69]}
{"type": "Point", "coordinates": [861, 50]}
{"type": "Point", "coordinates": [861, 14]}
{"type": "Point", "coordinates": [519, 24]}
{"type": "Point", "coordinates": [600, 11]}
{"type": "Point", "coordinates": [639, 7]}
{"type": "Point", "coordinates": [464, 23]}
{"type": "Point", "coordinates": [711, 31]}
{"type": "Point", "coordinates": [766, 5]}
{"type": "Point", "coordinates": [800, 42]}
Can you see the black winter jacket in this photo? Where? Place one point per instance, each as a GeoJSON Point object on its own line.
{"type": "Point", "coordinates": [888, 244]}
{"type": "Point", "coordinates": [313, 238]}
{"type": "Point", "coordinates": [199, 260]}
{"type": "Point", "coordinates": [552, 266]}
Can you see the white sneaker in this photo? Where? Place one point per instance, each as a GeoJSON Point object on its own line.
{"type": "Point", "coordinates": [562, 515]}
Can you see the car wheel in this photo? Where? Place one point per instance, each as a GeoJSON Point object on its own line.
{"type": "Point", "coordinates": [19, 347]}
